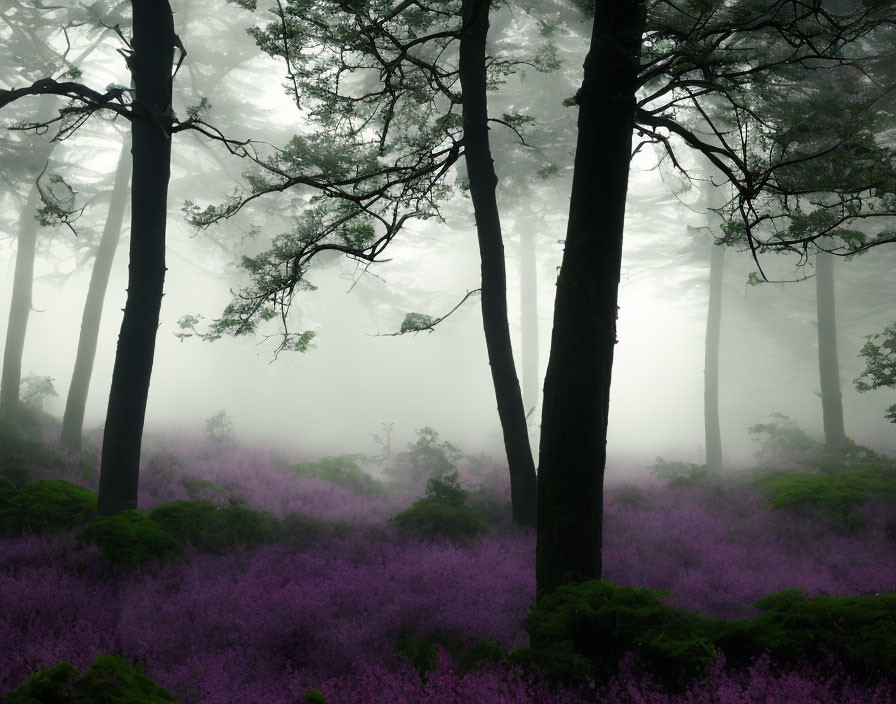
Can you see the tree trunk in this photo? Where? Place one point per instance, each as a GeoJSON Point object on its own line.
{"type": "Point", "coordinates": [529, 313]}
{"type": "Point", "coordinates": [828, 366]}
{"type": "Point", "coordinates": [483, 182]}
{"type": "Point", "coordinates": [151, 69]}
{"type": "Point", "coordinates": [711, 361]}
{"type": "Point", "coordinates": [714, 197]}
{"type": "Point", "coordinates": [73, 420]}
{"type": "Point", "coordinates": [23, 279]}
{"type": "Point", "coordinates": [577, 384]}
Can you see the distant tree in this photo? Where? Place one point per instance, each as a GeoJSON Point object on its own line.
{"type": "Point", "coordinates": [33, 36]}
{"type": "Point", "coordinates": [879, 352]}
{"type": "Point", "coordinates": [363, 125]}
{"type": "Point", "coordinates": [650, 63]}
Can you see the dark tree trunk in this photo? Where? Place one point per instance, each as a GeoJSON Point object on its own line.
{"type": "Point", "coordinates": [711, 361]}
{"type": "Point", "coordinates": [577, 384]}
{"type": "Point", "coordinates": [23, 280]}
{"type": "Point", "coordinates": [73, 420]}
{"type": "Point", "coordinates": [483, 182]}
{"type": "Point", "coordinates": [529, 313]}
{"type": "Point", "coordinates": [151, 68]}
{"type": "Point", "coordinates": [828, 366]}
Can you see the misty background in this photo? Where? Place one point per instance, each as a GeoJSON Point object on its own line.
{"type": "Point", "coordinates": [356, 377]}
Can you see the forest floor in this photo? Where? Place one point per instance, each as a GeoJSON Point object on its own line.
{"type": "Point", "coordinates": [342, 603]}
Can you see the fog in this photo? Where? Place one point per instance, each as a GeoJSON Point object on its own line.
{"type": "Point", "coordinates": [358, 376]}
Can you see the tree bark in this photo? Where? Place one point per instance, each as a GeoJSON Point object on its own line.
{"type": "Point", "coordinates": [73, 420]}
{"type": "Point", "coordinates": [577, 384]}
{"type": "Point", "coordinates": [828, 365]}
{"type": "Point", "coordinates": [151, 68]}
{"type": "Point", "coordinates": [529, 313]}
{"type": "Point", "coordinates": [711, 423]}
{"type": "Point", "coordinates": [483, 182]}
{"type": "Point", "coordinates": [23, 280]}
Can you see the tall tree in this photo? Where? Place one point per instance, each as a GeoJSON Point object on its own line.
{"type": "Point", "coordinates": [800, 184]}
{"type": "Point", "coordinates": [712, 426]}
{"type": "Point", "coordinates": [828, 364]}
{"type": "Point", "coordinates": [413, 48]}
{"type": "Point", "coordinates": [76, 401]}
{"type": "Point", "coordinates": [483, 181]}
{"type": "Point", "coordinates": [150, 58]}
{"type": "Point", "coordinates": [572, 455]}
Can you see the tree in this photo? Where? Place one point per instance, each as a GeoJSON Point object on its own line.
{"type": "Point", "coordinates": [408, 46]}
{"type": "Point", "coordinates": [880, 365]}
{"type": "Point", "coordinates": [828, 365]}
{"type": "Point", "coordinates": [76, 401]}
{"type": "Point", "coordinates": [30, 37]}
{"type": "Point", "coordinates": [749, 56]}
{"type": "Point", "coordinates": [150, 58]}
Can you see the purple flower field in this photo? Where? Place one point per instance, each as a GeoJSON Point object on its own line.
{"type": "Point", "coordinates": [265, 625]}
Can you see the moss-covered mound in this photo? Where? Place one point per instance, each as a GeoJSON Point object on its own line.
{"type": "Point", "coordinates": [203, 489]}
{"type": "Point", "coordinates": [583, 630]}
{"type": "Point", "coordinates": [342, 471]}
{"type": "Point", "coordinates": [432, 517]}
{"type": "Point", "coordinates": [47, 506]}
{"type": "Point", "coordinates": [829, 496]}
{"type": "Point", "coordinates": [109, 680]}
{"type": "Point", "coordinates": [216, 529]}
{"type": "Point", "coordinates": [130, 538]}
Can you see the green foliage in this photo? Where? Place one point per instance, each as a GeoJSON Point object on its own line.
{"type": "Point", "coordinates": [342, 470]}
{"type": "Point", "coordinates": [417, 322]}
{"type": "Point", "coordinates": [880, 365]}
{"type": "Point", "coordinates": [447, 489]}
{"type": "Point", "coordinates": [47, 506]}
{"type": "Point", "coordinates": [130, 538]}
{"type": "Point", "coordinates": [219, 427]}
{"type": "Point", "coordinates": [21, 449]}
{"type": "Point", "coordinates": [422, 654]}
{"type": "Point", "coordinates": [428, 457]}
{"type": "Point", "coordinates": [314, 696]}
{"type": "Point", "coordinates": [582, 631]}
{"type": "Point", "coordinates": [860, 631]}
{"type": "Point", "coordinates": [108, 680]}
{"type": "Point", "coordinates": [630, 495]}
{"type": "Point", "coordinates": [203, 489]}
{"type": "Point", "coordinates": [216, 529]}
{"type": "Point", "coordinates": [679, 473]}
{"type": "Point", "coordinates": [35, 390]}
{"type": "Point", "coordinates": [830, 496]}
{"type": "Point", "coordinates": [432, 517]}
{"type": "Point", "coordinates": [782, 440]}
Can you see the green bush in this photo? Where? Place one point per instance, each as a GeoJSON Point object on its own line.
{"type": "Point", "coordinates": [431, 517]}
{"type": "Point", "coordinates": [342, 471]}
{"type": "Point", "coordinates": [47, 506]}
{"type": "Point", "coordinates": [203, 489]}
{"type": "Point", "coordinates": [830, 496]}
{"type": "Point", "coordinates": [314, 696]}
{"type": "Point", "coordinates": [130, 538]}
{"type": "Point", "coordinates": [216, 529]}
{"type": "Point", "coordinates": [581, 631]}
{"type": "Point", "coordinates": [860, 631]}
{"type": "Point", "coordinates": [109, 680]}
{"type": "Point", "coordinates": [21, 449]}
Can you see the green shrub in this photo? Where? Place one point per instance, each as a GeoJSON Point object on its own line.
{"type": "Point", "coordinates": [431, 517]}
{"type": "Point", "coordinates": [860, 631]}
{"type": "Point", "coordinates": [21, 449]}
{"type": "Point", "coordinates": [342, 471]}
{"type": "Point", "coordinates": [130, 538]}
{"type": "Point", "coordinates": [583, 630]}
{"type": "Point", "coordinates": [203, 489]}
{"type": "Point", "coordinates": [109, 680]}
{"type": "Point", "coordinates": [47, 506]}
{"type": "Point", "coordinates": [314, 696]}
{"type": "Point", "coordinates": [216, 529]}
{"type": "Point", "coordinates": [426, 457]}
{"type": "Point", "coordinates": [830, 496]}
